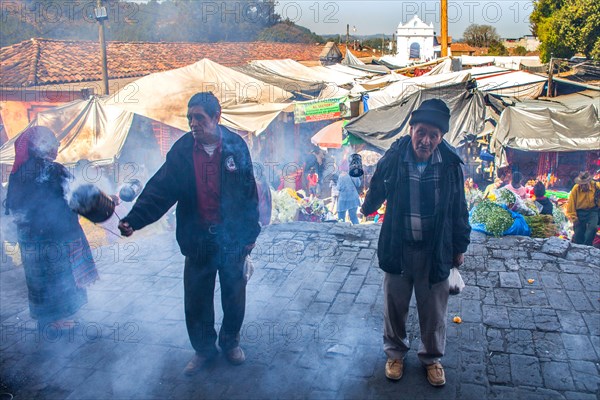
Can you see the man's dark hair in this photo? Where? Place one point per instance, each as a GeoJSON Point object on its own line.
{"type": "Point", "coordinates": [208, 101]}
{"type": "Point", "coordinates": [539, 190]}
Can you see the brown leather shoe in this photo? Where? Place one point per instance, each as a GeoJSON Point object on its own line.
{"type": "Point", "coordinates": [236, 355]}
{"type": "Point", "coordinates": [394, 369]}
{"type": "Point", "coordinates": [435, 374]}
{"type": "Point", "coordinates": [195, 364]}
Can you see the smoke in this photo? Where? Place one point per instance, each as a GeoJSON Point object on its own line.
{"type": "Point", "coordinates": [44, 143]}
{"type": "Point", "coordinates": [82, 199]}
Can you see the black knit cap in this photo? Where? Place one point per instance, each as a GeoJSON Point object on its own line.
{"type": "Point", "coordinates": [433, 112]}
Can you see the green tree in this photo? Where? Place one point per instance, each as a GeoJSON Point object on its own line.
{"type": "Point", "coordinates": [480, 35]}
{"type": "Point", "coordinates": [496, 48]}
{"type": "Point", "coordinates": [168, 20]}
{"type": "Point", "coordinates": [566, 27]}
{"type": "Point", "coordinates": [288, 32]}
{"type": "Point", "coordinates": [520, 51]}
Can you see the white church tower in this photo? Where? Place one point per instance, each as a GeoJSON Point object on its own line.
{"type": "Point", "coordinates": [415, 40]}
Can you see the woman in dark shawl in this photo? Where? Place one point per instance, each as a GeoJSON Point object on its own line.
{"type": "Point", "coordinates": [55, 253]}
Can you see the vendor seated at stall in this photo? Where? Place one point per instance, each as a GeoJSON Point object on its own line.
{"type": "Point", "coordinates": [490, 189]}
{"type": "Point", "coordinates": [539, 191]}
{"type": "Point", "coordinates": [515, 185]}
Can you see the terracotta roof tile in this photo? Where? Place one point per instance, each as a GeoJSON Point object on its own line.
{"type": "Point", "coordinates": [462, 47]}
{"type": "Point", "coordinates": [46, 61]}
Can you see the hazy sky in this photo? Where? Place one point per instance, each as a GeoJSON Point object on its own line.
{"type": "Point", "coordinates": [509, 17]}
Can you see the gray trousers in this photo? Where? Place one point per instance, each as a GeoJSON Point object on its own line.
{"type": "Point", "coordinates": [432, 307]}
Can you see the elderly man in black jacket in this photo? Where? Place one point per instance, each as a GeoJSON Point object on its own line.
{"type": "Point", "coordinates": [425, 233]}
{"type": "Point", "coordinates": [209, 174]}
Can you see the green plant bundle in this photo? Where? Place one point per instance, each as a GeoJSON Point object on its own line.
{"type": "Point", "coordinates": [495, 218]}
{"type": "Point", "coordinates": [506, 197]}
{"type": "Point", "coordinates": [542, 226]}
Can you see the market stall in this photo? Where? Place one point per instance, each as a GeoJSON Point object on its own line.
{"type": "Point", "coordinates": [550, 145]}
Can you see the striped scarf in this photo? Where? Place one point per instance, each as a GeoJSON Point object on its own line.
{"type": "Point", "coordinates": [422, 195]}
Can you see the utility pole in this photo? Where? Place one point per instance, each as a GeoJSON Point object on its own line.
{"type": "Point", "coordinates": [347, 37]}
{"type": "Point", "coordinates": [100, 17]}
{"type": "Point", "coordinates": [550, 92]}
{"type": "Point", "coordinates": [444, 18]}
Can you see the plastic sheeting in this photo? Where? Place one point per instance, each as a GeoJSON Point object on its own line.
{"type": "Point", "coordinates": [381, 81]}
{"type": "Point", "coordinates": [337, 77]}
{"type": "Point", "coordinates": [405, 87]}
{"type": "Point", "coordinates": [394, 61]}
{"type": "Point", "coordinates": [87, 129]}
{"type": "Point", "coordinates": [348, 70]}
{"type": "Point", "coordinates": [381, 127]}
{"type": "Point", "coordinates": [248, 104]}
{"type": "Point", "coordinates": [510, 62]}
{"type": "Point", "coordinates": [518, 84]}
{"type": "Point", "coordinates": [301, 87]}
{"type": "Point", "coordinates": [442, 68]}
{"type": "Point", "coordinates": [351, 61]}
{"type": "Point", "coordinates": [544, 129]}
{"type": "Point", "coordinates": [291, 69]}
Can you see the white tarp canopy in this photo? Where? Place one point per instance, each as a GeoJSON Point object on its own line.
{"type": "Point", "coordinates": [442, 68]}
{"type": "Point", "coordinates": [337, 77]}
{"type": "Point", "coordinates": [290, 69]}
{"type": "Point", "coordinates": [87, 129]}
{"type": "Point", "coordinates": [395, 61]}
{"type": "Point", "coordinates": [518, 84]}
{"type": "Point", "coordinates": [248, 104]}
{"type": "Point", "coordinates": [544, 129]}
{"type": "Point", "coordinates": [351, 61]}
{"type": "Point", "coordinates": [381, 81]}
{"type": "Point", "coordinates": [348, 70]}
{"type": "Point", "coordinates": [405, 87]}
{"type": "Point", "coordinates": [510, 62]}
{"type": "Point", "coordinates": [487, 70]}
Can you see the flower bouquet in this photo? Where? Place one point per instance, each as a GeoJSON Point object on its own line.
{"type": "Point", "coordinates": [312, 210]}
{"type": "Point", "coordinates": [285, 206]}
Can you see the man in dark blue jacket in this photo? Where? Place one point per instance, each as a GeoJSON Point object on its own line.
{"type": "Point", "coordinates": [209, 174]}
{"type": "Point", "coordinates": [424, 234]}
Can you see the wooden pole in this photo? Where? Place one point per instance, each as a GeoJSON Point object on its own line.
{"type": "Point", "coordinates": [347, 37]}
{"type": "Point", "coordinates": [103, 51]}
{"type": "Point", "coordinates": [444, 18]}
{"type": "Point", "coordinates": [550, 92]}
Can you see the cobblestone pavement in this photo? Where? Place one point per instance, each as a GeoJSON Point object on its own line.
{"type": "Point", "coordinates": [313, 327]}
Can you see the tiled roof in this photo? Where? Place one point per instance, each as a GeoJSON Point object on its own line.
{"type": "Point", "coordinates": [37, 62]}
{"type": "Point", "coordinates": [438, 40]}
{"type": "Point", "coordinates": [462, 47]}
{"type": "Point", "coordinates": [358, 53]}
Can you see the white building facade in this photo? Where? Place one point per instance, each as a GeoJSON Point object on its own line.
{"type": "Point", "coordinates": [415, 40]}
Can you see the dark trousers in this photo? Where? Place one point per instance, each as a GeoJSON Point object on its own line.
{"type": "Point", "coordinates": [199, 286]}
{"type": "Point", "coordinates": [586, 227]}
